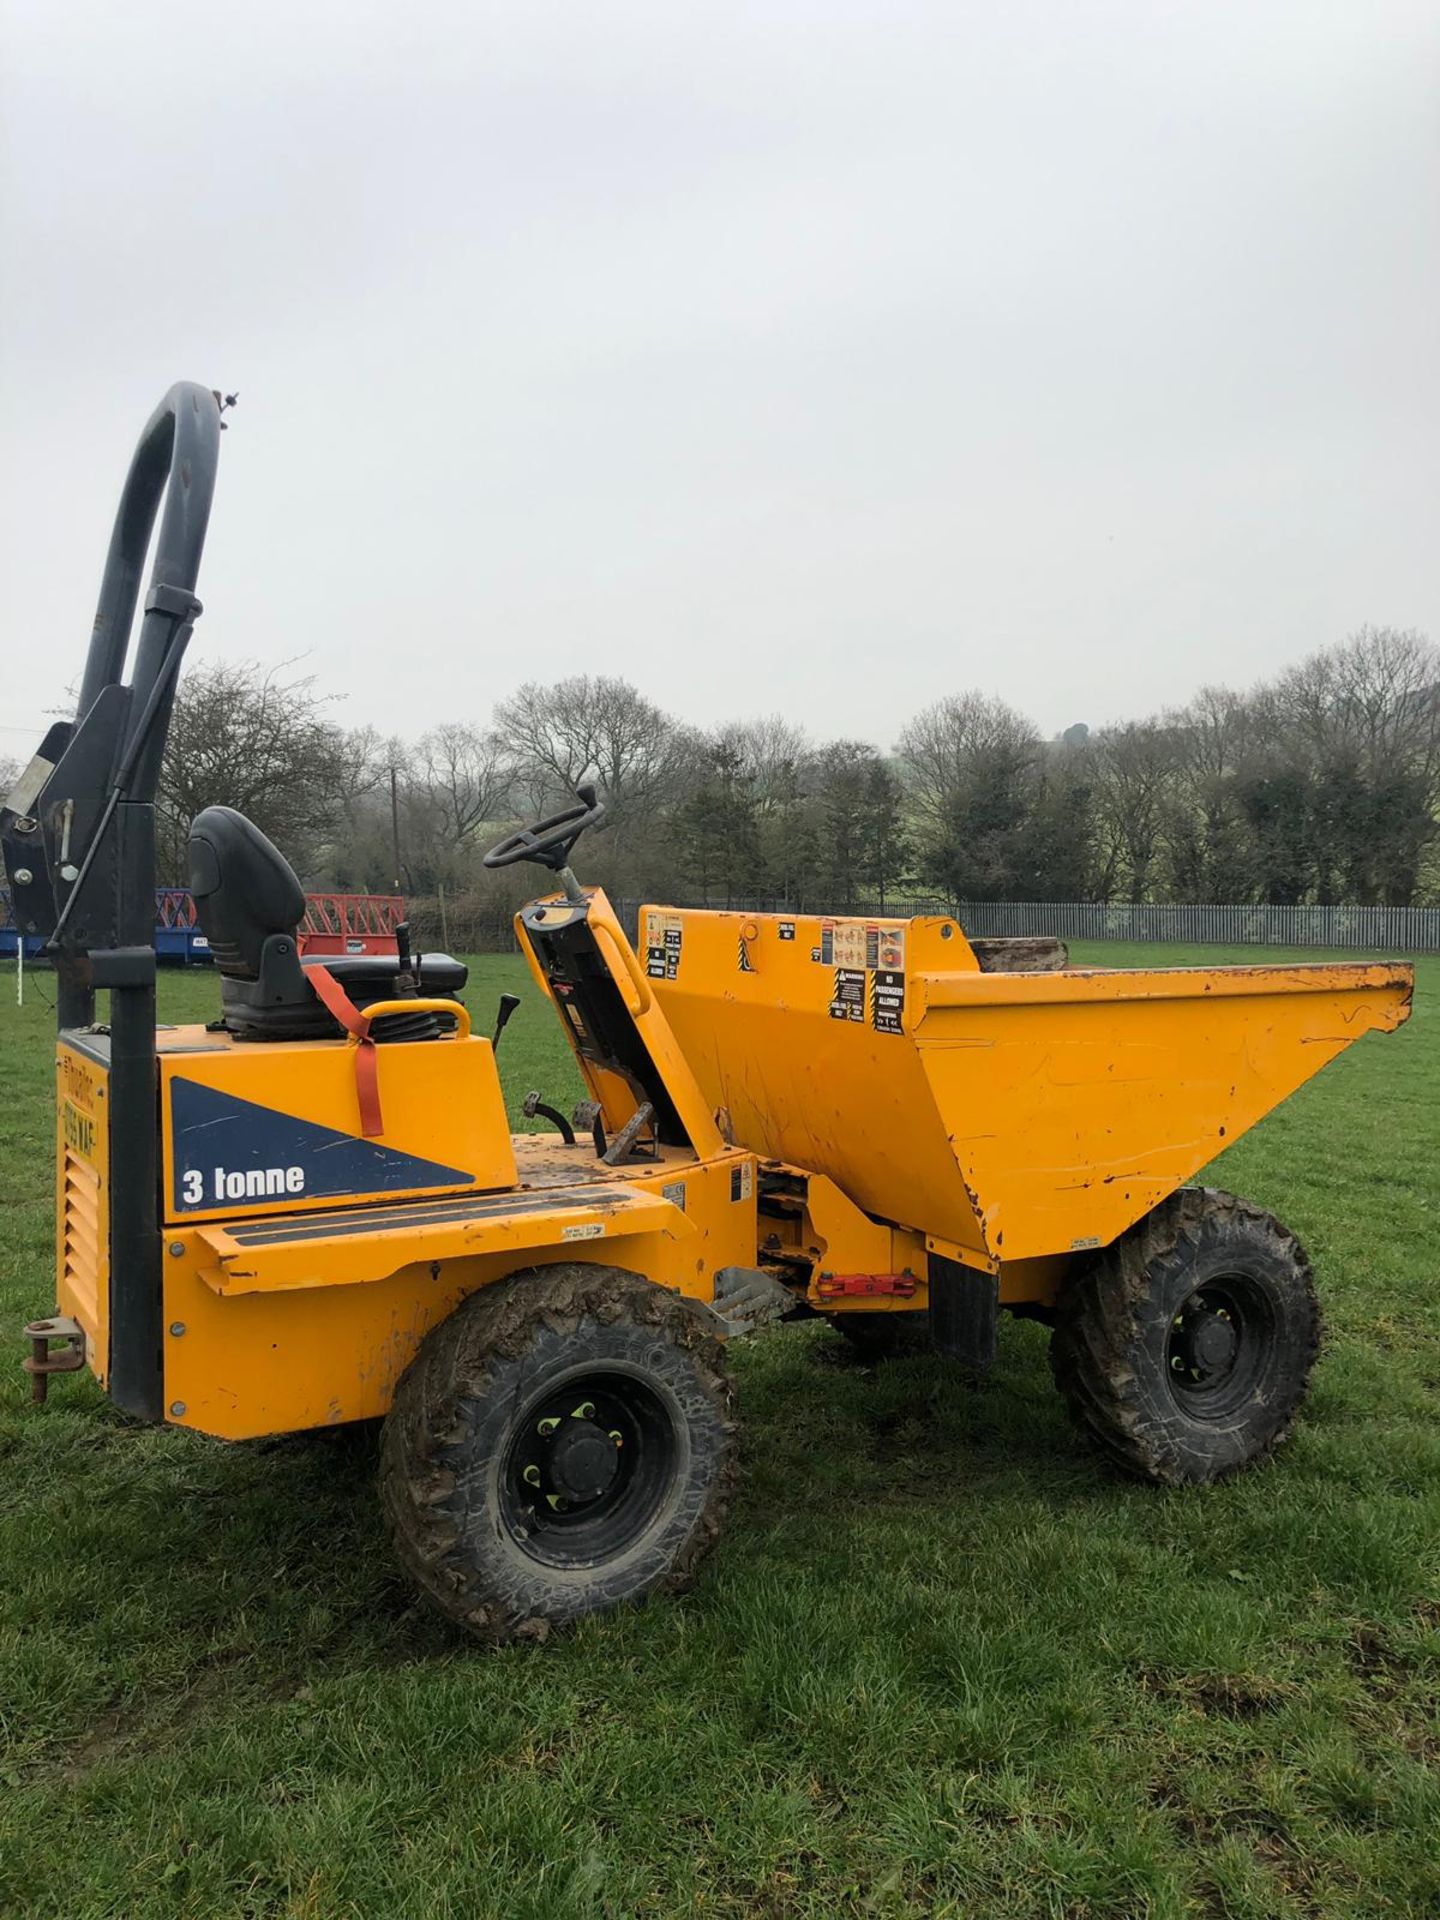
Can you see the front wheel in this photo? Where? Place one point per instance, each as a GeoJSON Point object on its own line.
{"type": "Point", "coordinates": [1185, 1350]}
{"type": "Point", "coordinates": [560, 1445]}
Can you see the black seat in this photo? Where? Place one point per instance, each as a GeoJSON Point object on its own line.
{"type": "Point", "coordinates": [250, 905]}
{"type": "Point", "coordinates": [373, 974]}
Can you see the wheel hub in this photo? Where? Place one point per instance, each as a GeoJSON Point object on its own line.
{"type": "Point", "coordinates": [585, 1463]}
{"type": "Point", "coordinates": [583, 1460]}
{"type": "Point", "coordinates": [1204, 1343]}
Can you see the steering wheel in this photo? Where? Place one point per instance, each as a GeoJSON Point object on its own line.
{"type": "Point", "coordinates": [548, 842]}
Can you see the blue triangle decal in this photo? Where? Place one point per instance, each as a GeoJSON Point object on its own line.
{"type": "Point", "coordinates": [230, 1152]}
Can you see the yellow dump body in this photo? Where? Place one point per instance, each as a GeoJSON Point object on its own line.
{"type": "Point", "coordinates": [1006, 1116]}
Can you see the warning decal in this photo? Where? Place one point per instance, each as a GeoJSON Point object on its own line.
{"type": "Point", "coordinates": [787, 929]}
{"type": "Point", "coordinates": [851, 944]}
{"type": "Point", "coordinates": [887, 1002]}
{"type": "Point", "coordinates": [663, 936]}
{"type": "Point", "coordinates": [861, 944]}
{"type": "Point", "coordinates": [847, 999]}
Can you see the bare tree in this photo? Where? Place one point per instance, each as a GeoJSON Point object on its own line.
{"type": "Point", "coordinates": [1212, 733]}
{"type": "Point", "coordinates": [972, 767]}
{"type": "Point", "coordinates": [602, 728]}
{"type": "Point", "coordinates": [591, 725]}
{"type": "Point", "coordinates": [1204, 832]}
{"type": "Point", "coordinates": [772, 754]}
{"type": "Point", "coordinates": [466, 776]}
{"type": "Point", "coordinates": [965, 738]}
{"type": "Point", "coordinates": [249, 737]}
{"type": "Point", "coordinates": [1374, 701]}
{"type": "Point", "coordinates": [1135, 770]}
{"type": "Point", "coordinates": [776, 763]}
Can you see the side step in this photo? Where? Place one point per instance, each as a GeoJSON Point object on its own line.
{"type": "Point", "coordinates": [360, 1244]}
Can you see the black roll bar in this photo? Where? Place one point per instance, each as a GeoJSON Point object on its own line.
{"type": "Point", "coordinates": [178, 456]}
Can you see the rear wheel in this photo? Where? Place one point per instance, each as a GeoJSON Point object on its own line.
{"type": "Point", "coordinates": [561, 1444]}
{"type": "Point", "coordinates": [1185, 1350]}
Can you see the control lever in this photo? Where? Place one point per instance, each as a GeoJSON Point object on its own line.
{"type": "Point", "coordinates": [407, 978]}
{"type": "Point", "coordinates": [508, 1003]}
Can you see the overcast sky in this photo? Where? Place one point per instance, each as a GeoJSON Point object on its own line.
{"type": "Point", "coordinates": [813, 358]}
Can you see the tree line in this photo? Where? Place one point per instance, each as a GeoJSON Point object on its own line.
{"type": "Point", "coordinates": [1321, 784]}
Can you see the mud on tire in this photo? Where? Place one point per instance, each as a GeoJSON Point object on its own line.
{"type": "Point", "coordinates": [560, 1445]}
{"type": "Point", "coordinates": [1185, 1349]}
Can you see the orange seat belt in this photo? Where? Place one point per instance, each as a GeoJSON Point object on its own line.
{"type": "Point", "coordinates": [357, 1025]}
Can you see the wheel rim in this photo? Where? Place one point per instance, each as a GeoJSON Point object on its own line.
{"type": "Point", "coordinates": [589, 1465]}
{"type": "Point", "coordinates": [1219, 1346]}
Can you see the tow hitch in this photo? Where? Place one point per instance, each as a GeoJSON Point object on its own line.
{"type": "Point", "coordinates": [45, 1358]}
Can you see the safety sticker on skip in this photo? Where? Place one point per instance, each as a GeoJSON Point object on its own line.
{"type": "Point", "coordinates": [590, 1230]}
{"type": "Point", "coordinates": [842, 943]}
{"type": "Point", "coordinates": [664, 933]}
{"type": "Point", "coordinates": [847, 996]}
{"type": "Point", "coordinates": [860, 944]}
{"type": "Point", "coordinates": [887, 1002]}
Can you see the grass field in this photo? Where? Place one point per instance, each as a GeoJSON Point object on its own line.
{"type": "Point", "coordinates": [942, 1663]}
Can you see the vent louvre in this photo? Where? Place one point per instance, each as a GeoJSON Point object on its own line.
{"type": "Point", "coordinates": [80, 1246]}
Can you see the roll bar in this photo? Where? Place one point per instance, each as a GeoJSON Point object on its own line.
{"type": "Point", "coordinates": [178, 456]}
{"type": "Point", "coordinates": [62, 829]}
{"type": "Point", "coordinates": [78, 836]}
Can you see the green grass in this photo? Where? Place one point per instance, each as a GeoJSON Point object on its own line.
{"type": "Point", "coordinates": [942, 1663]}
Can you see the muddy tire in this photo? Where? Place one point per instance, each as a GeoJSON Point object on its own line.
{"type": "Point", "coordinates": [1185, 1350]}
{"type": "Point", "coordinates": [884, 1336]}
{"type": "Point", "coordinates": [560, 1445]}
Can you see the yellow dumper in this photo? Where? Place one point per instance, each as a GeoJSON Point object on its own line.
{"type": "Point", "coordinates": [310, 1209]}
{"type": "Point", "coordinates": [935, 1134]}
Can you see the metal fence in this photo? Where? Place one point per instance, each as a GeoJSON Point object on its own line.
{"type": "Point", "coordinates": [1365, 929]}
{"type": "Point", "coordinates": [484, 926]}
{"type": "Point", "coordinates": [473, 928]}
